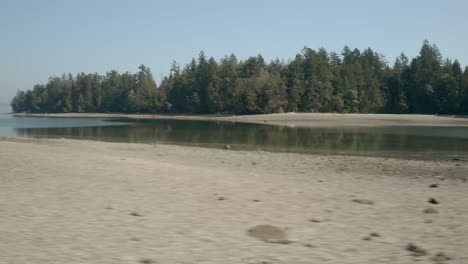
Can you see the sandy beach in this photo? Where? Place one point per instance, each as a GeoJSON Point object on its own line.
{"type": "Point", "coordinates": [66, 201]}
{"type": "Point", "coordinates": [294, 119]}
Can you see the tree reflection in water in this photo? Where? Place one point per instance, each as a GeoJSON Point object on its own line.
{"type": "Point", "coordinates": [386, 141]}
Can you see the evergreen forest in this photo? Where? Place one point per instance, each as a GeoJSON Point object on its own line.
{"type": "Point", "coordinates": [352, 81]}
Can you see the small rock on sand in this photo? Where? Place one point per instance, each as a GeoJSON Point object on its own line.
{"type": "Point", "coordinates": [435, 185]}
{"type": "Point", "coordinates": [146, 261]}
{"type": "Point", "coordinates": [221, 198]}
{"type": "Point", "coordinates": [416, 251]}
{"type": "Point", "coordinates": [135, 214]}
{"type": "Point", "coordinates": [371, 235]}
{"type": "Point", "coordinates": [363, 201]}
{"type": "Point", "coordinates": [315, 220]}
{"type": "Point", "coordinates": [433, 201]}
{"type": "Point", "coordinates": [269, 234]}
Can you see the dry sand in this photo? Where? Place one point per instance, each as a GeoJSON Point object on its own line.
{"type": "Point", "coordinates": [65, 201]}
{"type": "Point", "coordinates": [296, 119]}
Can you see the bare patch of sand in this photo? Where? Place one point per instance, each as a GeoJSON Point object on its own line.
{"type": "Point", "coordinates": [295, 119]}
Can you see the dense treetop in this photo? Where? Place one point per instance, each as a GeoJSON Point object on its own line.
{"type": "Point", "coordinates": [314, 81]}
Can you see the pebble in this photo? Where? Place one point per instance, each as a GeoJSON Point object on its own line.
{"type": "Point", "coordinates": [416, 251]}
{"type": "Point", "coordinates": [433, 201]}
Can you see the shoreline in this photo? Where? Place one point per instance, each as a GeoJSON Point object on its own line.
{"type": "Point", "coordinates": [99, 202]}
{"type": "Point", "coordinates": [289, 119]}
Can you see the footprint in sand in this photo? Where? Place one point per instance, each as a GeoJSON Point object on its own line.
{"type": "Point", "coordinates": [269, 234]}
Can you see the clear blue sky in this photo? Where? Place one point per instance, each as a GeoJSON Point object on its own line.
{"type": "Point", "coordinates": [39, 39]}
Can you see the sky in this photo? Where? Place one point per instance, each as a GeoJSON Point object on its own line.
{"type": "Point", "coordinates": [40, 39]}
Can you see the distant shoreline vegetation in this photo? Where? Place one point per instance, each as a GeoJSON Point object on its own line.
{"type": "Point", "coordinates": [314, 81]}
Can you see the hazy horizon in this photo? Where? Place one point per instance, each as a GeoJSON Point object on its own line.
{"type": "Point", "coordinates": [4, 107]}
{"type": "Point", "coordinates": [48, 38]}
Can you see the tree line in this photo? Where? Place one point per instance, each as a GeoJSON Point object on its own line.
{"type": "Point", "coordinates": [314, 81]}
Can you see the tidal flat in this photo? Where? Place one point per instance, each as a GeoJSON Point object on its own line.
{"type": "Point", "coordinates": [77, 201]}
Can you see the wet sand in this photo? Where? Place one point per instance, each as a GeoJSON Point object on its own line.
{"type": "Point", "coordinates": [296, 119]}
{"type": "Point", "coordinates": [66, 201]}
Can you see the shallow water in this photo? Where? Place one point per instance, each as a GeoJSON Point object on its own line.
{"type": "Point", "coordinates": [397, 141]}
{"type": "Point", "coordinates": [13, 126]}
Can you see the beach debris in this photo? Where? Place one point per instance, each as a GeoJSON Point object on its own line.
{"type": "Point", "coordinates": [309, 245]}
{"type": "Point", "coordinates": [108, 207]}
{"type": "Point", "coordinates": [135, 214]}
{"type": "Point", "coordinates": [440, 257]}
{"type": "Point", "coordinates": [363, 201]}
{"type": "Point", "coordinates": [433, 201]}
{"type": "Point", "coordinates": [269, 234]}
{"type": "Point", "coordinates": [456, 159]}
{"type": "Point", "coordinates": [434, 185]}
{"type": "Point", "coordinates": [227, 147]}
{"type": "Point", "coordinates": [430, 211]}
{"type": "Point", "coordinates": [254, 163]}
{"type": "Point", "coordinates": [366, 238]}
{"type": "Point", "coordinates": [221, 198]}
{"type": "Point", "coordinates": [255, 200]}
{"type": "Point", "coordinates": [416, 251]}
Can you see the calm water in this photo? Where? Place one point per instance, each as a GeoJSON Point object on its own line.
{"type": "Point", "coordinates": [422, 142]}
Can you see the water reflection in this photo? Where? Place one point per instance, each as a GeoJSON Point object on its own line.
{"type": "Point", "coordinates": [380, 140]}
{"type": "Point", "coordinates": [9, 123]}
